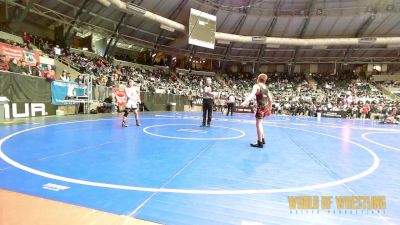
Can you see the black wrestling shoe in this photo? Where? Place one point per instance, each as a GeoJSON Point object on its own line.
{"type": "Point", "coordinates": [259, 144]}
{"type": "Point", "coordinates": [208, 125]}
{"type": "Point", "coordinates": [124, 124]}
{"type": "Point", "coordinates": [203, 125]}
{"type": "Point", "coordinates": [138, 123]}
{"type": "Point", "coordinates": [263, 141]}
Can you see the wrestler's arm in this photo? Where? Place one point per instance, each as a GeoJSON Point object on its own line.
{"type": "Point", "coordinates": [138, 97]}
{"type": "Point", "coordinates": [251, 96]}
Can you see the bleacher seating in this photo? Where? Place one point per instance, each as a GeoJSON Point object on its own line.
{"type": "Point", "coordinates": [293, 94]}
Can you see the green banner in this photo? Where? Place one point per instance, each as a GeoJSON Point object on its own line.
{"type": "Point", "coordinates": [5, 85]}
{"type": "Point", "coordinates": [24, 89]}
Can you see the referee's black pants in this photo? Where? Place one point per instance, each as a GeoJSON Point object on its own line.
{"type": "Point", "coordinates": [207, 110]}
{"type": "Point", "coordinates": [230, 108]}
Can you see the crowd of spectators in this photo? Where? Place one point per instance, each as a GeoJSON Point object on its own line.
{"type": "Point", "coordinates": [293, 94]}
{"type": "Point", "coordinates": [20, 65]}
{"type": "Point", "coordinates": [192, 83]}
{"type": "Point", "coordinates": [357, 97]}
{"type": "Point", "coordinates": [387, 84]}
{"type": "Point", "coordinates": [26, 44]}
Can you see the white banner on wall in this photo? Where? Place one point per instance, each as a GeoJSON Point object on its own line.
{"type": "Point", "coordinates": [234, 68]}
{"type": "Point", "coordinates": [264, 68]}
{"type": "Point", "coordinates": [313, 68]}
{"type": "Point", "coordinates": [384, 67]}
{"type": "Point", "coordinates": [280, 68]}
{"type": "Point", "coordinates": [370, 67]}
{"type": "Point", "coordinates": [46, 60]}
{"type": "Point", "coordinates": [248, 68]}
{"type": "Point", "coordinates": [297, 69]}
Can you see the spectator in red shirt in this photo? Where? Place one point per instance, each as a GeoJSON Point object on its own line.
{"type": "Point", "coordinates": [49, 74]}
{"type": "Point", "coordinates": [365, 110]}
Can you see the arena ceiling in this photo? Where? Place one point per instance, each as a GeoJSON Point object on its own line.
{"type": "Point", "coordinates": [273, 18]}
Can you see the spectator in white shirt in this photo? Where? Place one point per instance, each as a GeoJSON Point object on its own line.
{"type": "Point", "coordinates": [65, 76]}
{"type": "Point", "coordinates": [57, 51]}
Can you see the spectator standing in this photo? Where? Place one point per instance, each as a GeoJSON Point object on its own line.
{"type": "Point", "coordinates": [365, 110]}
{"type": "Point", "coordinates": [26, 38]}
{"type": "Point", "coordinates": [46, 46]}
{"type": "Point", "coordinates": [57, 51]}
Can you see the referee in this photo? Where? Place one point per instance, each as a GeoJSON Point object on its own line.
{"type": "Point", "coordinates": [208, 99]}
{"type": "Point", "coordinates": [231, 104]}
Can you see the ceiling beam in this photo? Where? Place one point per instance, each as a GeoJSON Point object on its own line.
{"type": "Point", "coordinates": [143, 20]}
{"type": "Point", "coordinates": [66, 20]}
{"type": "Point", "coordinates": [238, 26]}
{"type": "Point", "coordinates": [268, 33]}
{"type": "Point", "coordinates": [67, 37]}
{"type": "Point", "coordinates": [109, 20]}
{"type": "Point", "coordinates": [302, 32]}
{"type": "Point", "coordinates": [109, 51]}
{"type": "Point", "coordinates": [335, 10]}
{"type": "Point", "coordinates": [20, 18]}
{"type": "Point", "coordinates": [172, 16]}
{"type": "Point", "coordinates": [360, 32]}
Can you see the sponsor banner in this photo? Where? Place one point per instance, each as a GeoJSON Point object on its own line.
{"type": "Point", "coordinates": [240, 109]}
{"type": "Point", "coordinates": [334, 114]}
{"type": "Point", "coordinates": [25, 110]}
{"type": "Point", "coordinates": [11, 51]}
{"type": "Point", "coordinates": [31, 58]}
{"type": "Point", "coordinates": [121, 96]}
{"type": "Point", "coordinates": [338, 205]}
{"type": "Point", "coordinates": [55, 187]}
{"type": "Point", "coordinates": [198, 101]}
{"type": "Point", "coordinates": [18, 53]}
{"type": "Point", "coordinates": [62, 92]}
